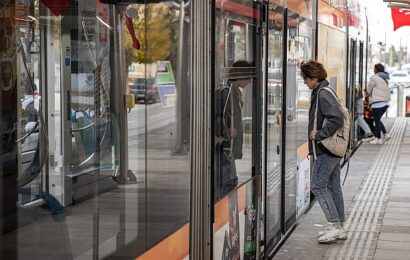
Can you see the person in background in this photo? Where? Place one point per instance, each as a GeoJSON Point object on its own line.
{"type": "Point", "coordinates": [368, 136]}
{"type": "Point", "coordinates": [325, 180]}
{"type": "Point", "coordinates": [379, 97]}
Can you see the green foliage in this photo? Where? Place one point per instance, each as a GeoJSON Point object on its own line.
{"type": "Point", "coordinates": [153, 30]}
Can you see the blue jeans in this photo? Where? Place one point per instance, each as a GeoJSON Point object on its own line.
{"type": "Point", "coordinates": [326, 187]}
{"type": "Point", "coordinates": [379, 127]}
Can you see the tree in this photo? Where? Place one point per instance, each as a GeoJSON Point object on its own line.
{"type": "Point", "coordinates": [153, 30]}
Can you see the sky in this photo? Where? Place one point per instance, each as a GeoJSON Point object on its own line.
{"type": "Point", "coordinates": [381, 24]}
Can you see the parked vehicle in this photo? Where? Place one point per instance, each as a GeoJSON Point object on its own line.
{"type": "Point", "coordinates": [145, 90]}
{"type": "Point", "coordinates": [399, 77]}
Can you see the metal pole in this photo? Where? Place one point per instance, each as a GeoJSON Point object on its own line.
{"type": "Point", "coordinates": [120, 125]}
{"type": "Point", "coordinates": [201, 79]}
{"type": "Point", "coordinates": [121, 149]}
{"type": "Point", "coordinates": [180, 121]}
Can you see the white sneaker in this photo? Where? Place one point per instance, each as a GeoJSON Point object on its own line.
{"type": "Point", "coordinates": [332, 235]}
{"type": "Point", "coordinates": [328, 228]}
{"type": "Point", "coordinates": [368, 139]}
{"type": "Point", "coordinates": [386, 137]}
{"type": "Point", "coordinates": [376, 141]}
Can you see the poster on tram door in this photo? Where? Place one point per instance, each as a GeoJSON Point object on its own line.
{"type": "Point", "coordinates": [226, 247]}
{"type": "Point", "coordinates": [250, 224]}
{"type": "Point", "coordinates": [303, 181]}
{"type": "Point", "coordinates": [234, 226]}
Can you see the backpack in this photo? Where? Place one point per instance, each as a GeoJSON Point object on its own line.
{"type": "Point", "coordinates": [337, 143]}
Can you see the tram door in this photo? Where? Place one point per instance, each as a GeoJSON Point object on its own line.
{"type": "Point", "coordinates": [274, 124]}
{"type": "Point", "coordinates": [237, 129]}
{"type": "Point", "coordinates": [353, 83]}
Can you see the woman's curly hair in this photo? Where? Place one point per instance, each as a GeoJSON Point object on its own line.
{"type": "Point", "coordinates": [313, 70]}
{"type": "Point", "coordinates": [379, 67]}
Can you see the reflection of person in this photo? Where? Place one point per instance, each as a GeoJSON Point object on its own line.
{"type": "Point", "coordinates": [379, 92]}
{"type": "Point", "coordinates": [229, 132]}
{"type": "Point", "coordinates": [325, 183]}
{"type": "Point", "coordinates": [368, 136]}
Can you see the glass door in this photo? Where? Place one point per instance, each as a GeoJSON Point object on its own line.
{"type": "Point", "coordinates": [237, 128]}
{"type": "Point", "coordinates": [296, 168]}
{"type": "Point", "coordinates": [274, 115]}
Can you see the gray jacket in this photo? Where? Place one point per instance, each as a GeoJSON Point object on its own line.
{"type": "Point", "coordinates": [329, 108]}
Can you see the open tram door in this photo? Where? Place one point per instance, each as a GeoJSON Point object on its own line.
{"type": "Point", "coordinates": [238, 120]}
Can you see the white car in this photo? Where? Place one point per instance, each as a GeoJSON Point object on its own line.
{"type": "Point", "coordinates": [398, 78]}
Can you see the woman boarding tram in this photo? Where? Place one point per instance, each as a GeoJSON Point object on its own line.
{"type": "Point", "coordinates": [326, 170]}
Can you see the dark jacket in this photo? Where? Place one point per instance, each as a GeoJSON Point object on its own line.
{"type": "Point", "coordinates": [228, 102]}
{"type": "Point", "coordinates": [328, 108]}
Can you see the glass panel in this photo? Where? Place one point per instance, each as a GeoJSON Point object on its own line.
{"type": "Point", "coordinates": [84, 205]}
{"type": "Point", "coordinates": [236, 193]}
{"type": "Point", "coordinates": [274, 125]}
{"type": "Point", "coordinates": [28, 60]}
{"type": "Point", "coordinates": [236, 86]}
{"type": "Point", "coordinates": [291, 120]}
{"type": "Point", "coordinates": [167, 106]}
{"type": "Point", "coordinates": [159, 124]}
{"type": "Point", "coordinates": [302, 110]}
{"type": "Point", "coordinates": [297, 109]}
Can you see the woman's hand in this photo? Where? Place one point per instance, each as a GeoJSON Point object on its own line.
{"type": "Point", "coordinates": [312, 135]}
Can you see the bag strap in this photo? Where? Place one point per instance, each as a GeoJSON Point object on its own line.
{"type": "Point", "coordinates": [315, 125]}
{"type": "Point", "coordinates": [331, 91]}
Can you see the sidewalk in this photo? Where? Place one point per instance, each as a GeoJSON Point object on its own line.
{"type": "Point", "coordinates": [377, 202]}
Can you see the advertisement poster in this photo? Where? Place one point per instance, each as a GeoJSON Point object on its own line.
{"type": "Point", "coordinates": [250, 236]}
{"type": "Point", "coordinates": [235, 234]}
{"type": "Point", "coordinates": [303, 181]}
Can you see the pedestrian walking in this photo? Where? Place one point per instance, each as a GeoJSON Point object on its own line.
{"type": "Point", "coordinates": [379, 98]}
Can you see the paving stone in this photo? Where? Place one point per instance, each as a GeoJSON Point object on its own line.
{"type": "Point", "coordinates": [397, 216]}
{"type": "Point", "coordinates": [382, 254]}
{"type": "Point", "coordinates": [394, 237]}
{"type": "Point", "coordinates": [398, 204]}
{"type": "Point", "coordinates": [393, 245]}
{"type": "Point", "coordinates": [395, 229]}
{"type": "Point", "coordinates": [398, 210]}
{"type": "Point", "coordinates": [396, 222]}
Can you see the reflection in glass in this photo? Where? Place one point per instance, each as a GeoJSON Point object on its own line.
{"type": "Point", "coordinates": [158, 126]}
{"type": "Point", "coordinates": [236, 179]}
{"type": "Point", "coordinates": [79, 207]}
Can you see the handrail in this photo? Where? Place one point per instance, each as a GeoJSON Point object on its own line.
{"type": "Point", "coordinates": [28, 134]}
{"type": "Point", "coordinates": [82, 128]}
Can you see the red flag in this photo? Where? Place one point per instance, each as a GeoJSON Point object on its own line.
{"type": "Point", "coordinates": [57, 7]}
{"type": "Point", "coordinates": [401, 17]}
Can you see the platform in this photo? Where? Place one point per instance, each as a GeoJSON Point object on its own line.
{"type": "Point", "coordinates": [377, 202]}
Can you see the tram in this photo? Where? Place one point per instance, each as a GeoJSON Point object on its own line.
{"type": "Point", "coordinates": [216, 167]}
